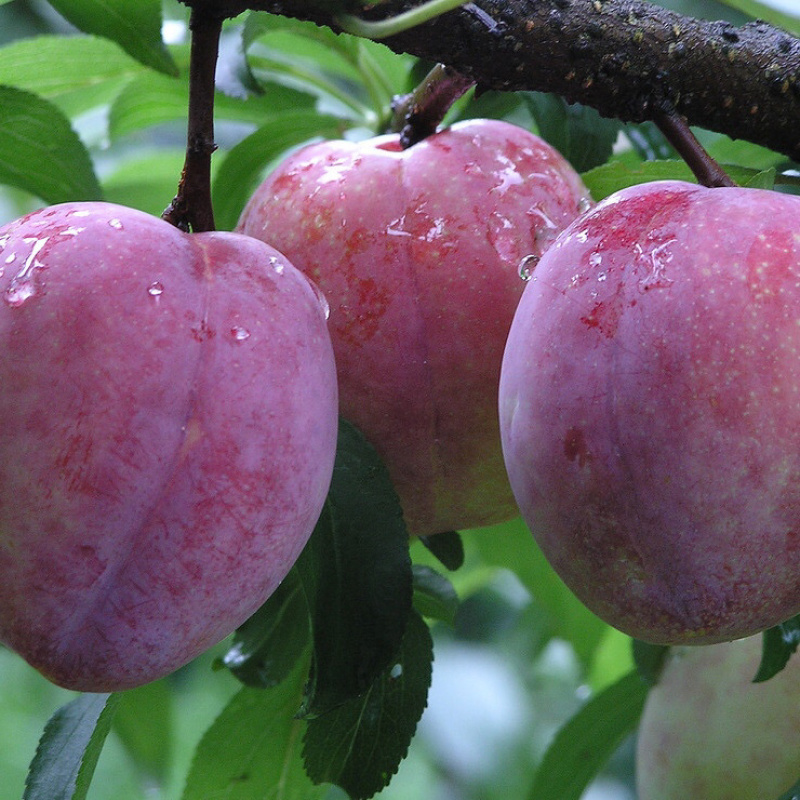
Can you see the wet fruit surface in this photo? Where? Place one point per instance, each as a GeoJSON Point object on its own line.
{"type": "Point", "coordinates": [422, 254]}
{"type": "Point", "coordinates": [167, 433]}
{"type": "Point", "coordinates": [650, 410]}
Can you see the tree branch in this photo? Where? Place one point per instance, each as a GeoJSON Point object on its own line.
{"type": "Point", "coordinates": [629, 59]}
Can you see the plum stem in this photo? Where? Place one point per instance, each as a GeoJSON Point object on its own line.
{"type": "Point", "coordinates": [678, 133]}
{"type": "Point", "coordinates": [418, 114]}
{"type": "Point", "coordinates": [191, 208]}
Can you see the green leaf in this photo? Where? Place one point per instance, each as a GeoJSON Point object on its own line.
{"type": "Point", "coordinates": [134, 26]}
{"type": "Point", "coordinates": [67, 754]}
{"type": "Point", "coordinates": [511, 545]}
{"type": "Point", "coordinates": [356, 575]}
{"type": "Point", "coordinates": [578, 132]}
{"type": "Point", "coordinates": [609, 178]}
{"type": "Point", "coordinates": [648, 142]}
{"type": "Point", "coordinates": [143, 722]}
{"type": "Point", "coordinates": [147, 182]}
{"type": "Point", "coordinates": [252, 751]}
{"type": "Point", "coordinates": [649, 660]}
{"type": "Point", "coordinates": [779, 643]}
{"type": "Point", "coordinates": [434, 595]}
{"type": "Point", "coordinates": [783, 19]}
{"type": "Point", "coordinates": [360, 744]}
{"type": "Point", "coordinates": [268, 645]}
{"type": "Point", "coordinates": [792, 794]}
{"type": "Point", "coordinates": [243, 167]}
{"type": "Point", "coordinates": [39, 151]}
{"type": "Point", "coordinates": [587, 741]}
{"type": "Point", "coordinates": [447, 547]}
{"type": "Point", "coordinates": [75, 72]}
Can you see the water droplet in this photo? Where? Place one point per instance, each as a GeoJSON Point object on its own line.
{"type": "Point", "coordinates": [81, 213]}
{"type": "Point", "coordinates": [396, 672]}
{"type": "Point", "coordinates": [10, 259]}
{"type": "Point", "coordinates": [240, 334]}
{"type": "Point", "coordinates": [595, 260]}
{"type": "Point", "coordinates": [527, 266]}
{"type": "Point", "coordinates": [115, 223]}
{"type": "Point", "coordinates": [155, 289]}
{"type": "Point", "coordinates": [584, 204]}
{"type": "Point", "coordinates": [19, 291]}
{"type": "Point", "coordinates": [4, 241]}
{"type": "Point", "coordinates": [602, 277]}
{"type": "Point", "coordinates": [323, 301]}
{"type": "Point", "coordinates": [277, 264]}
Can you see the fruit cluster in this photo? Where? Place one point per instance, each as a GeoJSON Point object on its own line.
{"type": "Point", "coordinates": [169, 404]}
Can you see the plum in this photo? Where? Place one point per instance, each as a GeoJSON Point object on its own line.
{"type": "Point", "coordinates": [168, 414]}
{"type": "Point", "coordinates": [419, 253]}
{"type": "Point", "coordinates": [650, 410]}
{"type": "Point", "coordinates": [709, 732]}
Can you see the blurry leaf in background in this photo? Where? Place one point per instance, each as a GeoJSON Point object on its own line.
{"type": "Point", "coordinates": [76, 73]}
{"type": "Point", "coordinates": [789, 22]}
{"type": "Point", "coordinates": [143, 722]}
{"type": "Point", "coordinates": [360, 744]}
{"type": "Point", "coordinates": [134, 26]}
{"type": "Point", "coordinates": [252, 750]}
{"type": "Point", "coordinates": [145, 181]}
{"type": "Point", "coordinates": [40, 152]}
{"type": "Point", "coordinates": [649, 660]}
{"type": "Point", "coordinates": [512, 546]}
{"type": "Point", "coordinates": [73, 738]}
{"type": "Point", "coordinates": [588, 740]}
{"type": "Point", "coordinates": [434, 595]}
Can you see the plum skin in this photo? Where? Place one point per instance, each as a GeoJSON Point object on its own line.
{"type": "Point", "coordinates": [167, 432]}
{"type": "Point", "coordinates": [650, 410]}
{"type": "Point", "coordinates": [418, 252]}
{"type": "Point", "coordinates": [708, 731]}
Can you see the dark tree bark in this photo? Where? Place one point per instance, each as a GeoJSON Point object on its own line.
{"type": "Point", "coordinates": [629, 59]}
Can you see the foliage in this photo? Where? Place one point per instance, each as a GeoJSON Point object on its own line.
{"type": "Point", "coordinates": [336, 666]}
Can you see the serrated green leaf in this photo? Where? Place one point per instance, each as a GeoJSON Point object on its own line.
{"type": "Point", "coordinates": [134, 26]}
{"type": "Point", "coordinates": [356, 575]}
{"type": "Point", "coordinates": [243, 167]}
{"type": "Point", "coordinates": [581, 748]}
{"type": "Point", "coordinates": [39, 151]}
{"type": "Point", "coordinates": [266, 648]}
{"type": "Point", "coordinates": [360, 744]}
{"type": "Point", "coordinates": [578, 132]}
{"type": "Point", "coordinates": [779, 643]}
{"type": "Point", "coordinates": [252, 751]}
{"type": "Point", "coordinates": [447, 547]}
{"type": "Point", "coordinates": [434, 595]}
{"type": "Point", "coordinates": [67, 754]}
{"type": "Point", "coordinates": [143, 722]}
{"type": "Point", "coordinates": [75, 72]}
{"type": "Point", "coordinates": [511, 545]}
{"type": "Point", "coordinates": [649, 660]}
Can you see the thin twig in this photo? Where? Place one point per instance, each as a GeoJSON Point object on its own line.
{"type": "Point", "coordinates": [191, 209]}
{"type": "Point", "coordinates": [678, 133]}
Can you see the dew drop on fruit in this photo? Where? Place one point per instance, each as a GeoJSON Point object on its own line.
{"type": "Point", "coordinates": [584, 204]}
{"type": "Point", "coordinates": [19, 291]}
{"type": "Point", "coordinates": [239, 333]}
{"type": "Point", "coordinates": [527, 266]}
{"type": "Point", "coordinates": [155, 289]}
{"type": "Point", "coordinates": [323, 301]}
{"type": "Point", "coordinates": [276, 264]}
{"type": "Point", "coordinates": [115, 223]}
{"type": "Point", "coordinates": [595, 260]}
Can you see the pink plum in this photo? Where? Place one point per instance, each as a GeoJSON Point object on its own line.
{"type": "Point", "coordinates": [650, 410]}
{"type": "Point", "coordinates": [419, 253]}
{"type": "Point", "coordinates": [709, 732]}
{"type": "Point", "coordinates": [168, 420]}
